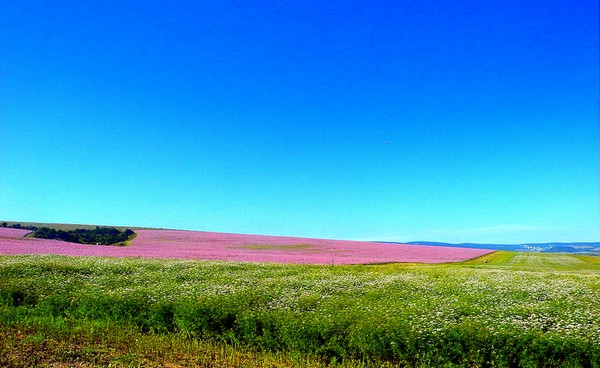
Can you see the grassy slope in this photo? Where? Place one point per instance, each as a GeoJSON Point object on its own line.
{"type": "Point", "coordinates": [502, 309]}
{"type": "Point", "coordinates": [523, 261]}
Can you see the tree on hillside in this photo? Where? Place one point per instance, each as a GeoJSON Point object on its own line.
{"type": "Point", "coordinates": [99, 235]}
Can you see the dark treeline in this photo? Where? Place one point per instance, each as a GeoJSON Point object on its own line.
{"type": "Point", "coordinates": [18, 226]}
{"type": "Point", "coordinates": [99, 235]}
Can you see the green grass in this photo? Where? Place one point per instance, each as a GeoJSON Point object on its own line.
{"type": "Point", "coordinates": [501, 310]}
{"type": "Point", "coordinates": [538, 262]}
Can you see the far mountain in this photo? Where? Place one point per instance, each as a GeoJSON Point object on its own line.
{"type": "Point", "coordinates": [577, 247]}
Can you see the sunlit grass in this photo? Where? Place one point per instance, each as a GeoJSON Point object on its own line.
{"type": "Point", "coordinates": [537, 261]}
{"type": "Point", "coordinates": [503, 309]}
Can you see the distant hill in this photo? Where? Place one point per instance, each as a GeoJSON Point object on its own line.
{"type": "Point", "coordinates": [577, 247]}
{"type": "Point", "coordinates": [592, 248]}
{"type": "Point", "coordinates": [61, 226]}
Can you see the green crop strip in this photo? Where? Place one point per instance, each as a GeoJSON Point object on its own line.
{"type": "Point", "coordinates": [303, 247]}
{"type": "Point", "coordinates": [503, 309]}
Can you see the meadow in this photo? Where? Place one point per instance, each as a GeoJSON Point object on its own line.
{"type": "Point", "coordinates": [504, 309]}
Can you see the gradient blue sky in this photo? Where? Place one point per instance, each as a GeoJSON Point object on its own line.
{"type": "Point", "coordinates": [458, 121]}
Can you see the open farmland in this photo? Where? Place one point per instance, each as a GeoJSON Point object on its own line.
{"type": "Point", "coordinates": [504, 312]}
{"type": "Point", "coordinates": [241, 248]}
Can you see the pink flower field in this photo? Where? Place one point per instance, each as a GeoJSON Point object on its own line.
{"type": "Point", "coordinates": [7, 232]}
{"type": "Point", "coordinates": [240, 248]}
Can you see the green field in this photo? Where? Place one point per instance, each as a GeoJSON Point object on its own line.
{"type": "Point", "coordinates": [502, 310]}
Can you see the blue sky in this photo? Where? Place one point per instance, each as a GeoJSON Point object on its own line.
{"type": "Point", "coordinates": [456, 121]}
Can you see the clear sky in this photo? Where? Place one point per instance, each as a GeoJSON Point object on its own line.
{"type": "Point", "coordinates": [440, 120]}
